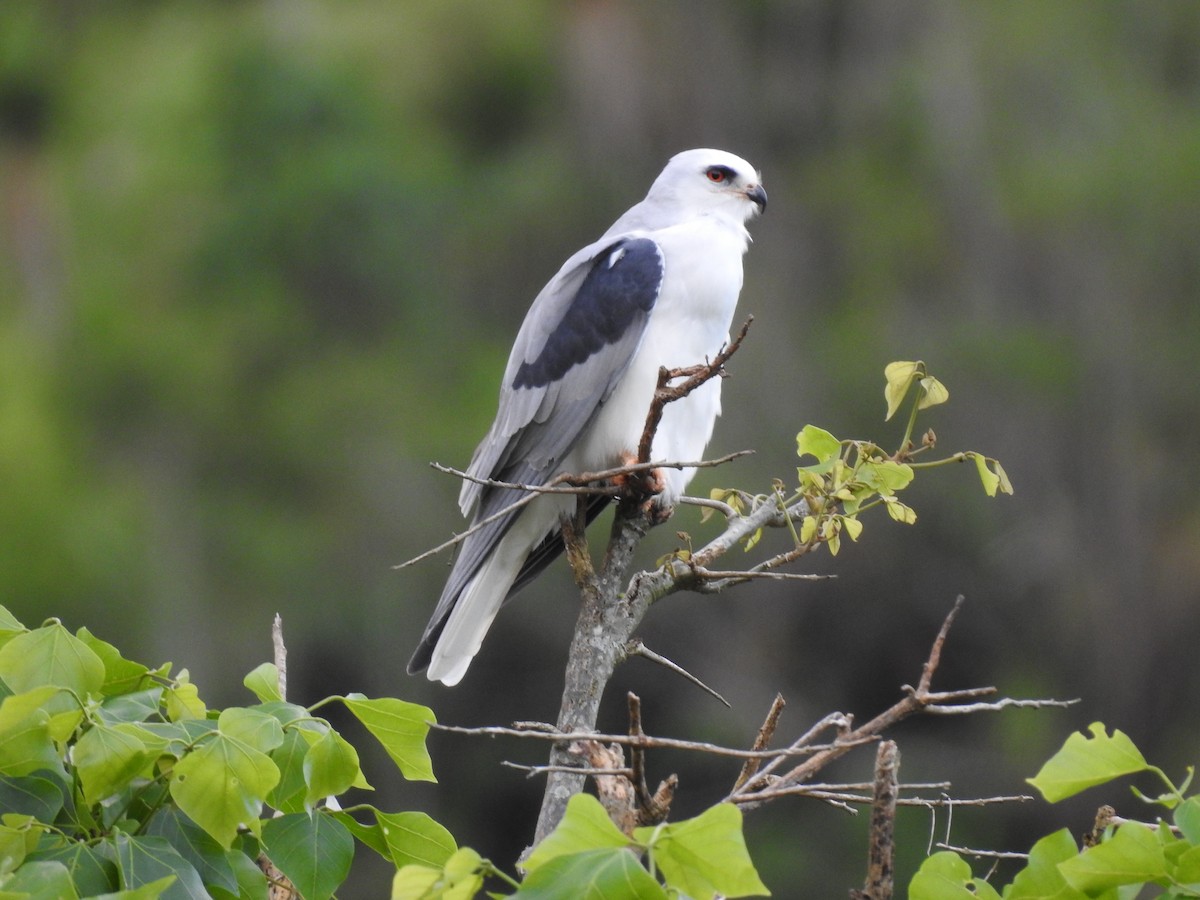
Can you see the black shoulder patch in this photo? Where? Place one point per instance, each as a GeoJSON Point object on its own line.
{"type": "Point", "coordinates": [620, 290]}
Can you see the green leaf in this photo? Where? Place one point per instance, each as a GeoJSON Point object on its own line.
{"type": "Point", "coordinates": [401, 727]}
{"type": "Point", "coordinates": [885, 476]}
{"type": "Point", "coordinates": [1185, 867]}
{"type": "Point", "coordinates": [31, 795]}
{"type": "Point", "coordinates": [178, 736]}
{"type": "Point", "coordinates": [899, 375]}
{"type": "Point", "coordinates": [1133, 855]}
{"type": "Point", "coordinates": [585, 826]}
{"type": "Point", "coordinates": [705, 855]}
{"type": "Point", "coordinates": [136, 706]}
{"type": "Point", "coordinates": [413, 837]}
{"type": "Point", "coordinates": [183, 701]}
{"type": "Point", "coordinates": [605, 874]}
{"type": "Point", "coordinates": [1086, 762]}
{"type": "Point", "coordinates": [252, 727]}
{"type": "Point", "coordinates": [942, 876]}
{"type": "Point", "coordinates": [107, 760]}
{"type": "Point", "coordinates": [818, 442]}
{"type": "Point", "coordinates": [417, 883]}
{"type": "Point", "coordinates": [459, 879]}
{"type": "Point", "coordinates": [1005, 485]}
{"type": "Point", "coordinates": [289, 794]}
{"type": "Point", "coordinates": [902, 513]}
{"type": "Point", "coordinates": [9, 624]}
{"type": "Point", "coordinates": [933, 393]}
{"type": "Point", "coordinates": [991, 481]}
{"type": "Point", "coordinates": [41, 879]}
{"type": "Point", "coordinates": [18, 838]}
{"type": "Point", "coordinates": [50, 655]}
{"type": "Point", "coordinates": [264, 682]}
{"type": "Point", "coordinates": [292, 715]}
{"type": "Point", "coordinates": [330, 767]}
{"type": "Point", "coordinates": [314, 851]}
{"type": "Point", "coordinates": [832, 533]}
{"type": "Point", "coordinates": [146, 860]}
{"type": "Point", "coordinates": [151, 891]}
{"type": "Point", "coordinates": [808, 529]}
{"type": "Point", "coordinates": [1187, 817]}
{"type": "Point", "coordinates": [852, 526]}
{"type": "Point", "coordinates": [222, 784]}
{"type": "Point", "coordinates": [121, 676]}
{"type": "Point", "coordinates": [368, 835]}
{"type": "Point", "coordinates": [251, 882]}
{"type": "Point", "coordinates": [1041, 878]}
{"type": "Point", "coordinates": [195, 845]}
{"type": "Point", "coordinates": [91, 873]}
{"type": "Point", "coordinates": [26, 744]}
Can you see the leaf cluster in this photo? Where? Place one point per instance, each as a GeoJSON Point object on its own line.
{"type": "Point", "coordinates": [850, 477]}
{"type": "Point", "coordinates": [116, 780]}
{"type": "Point", "coordinates": [1117, 864]}
{"type": "Point", "coordinates": [588, 856]}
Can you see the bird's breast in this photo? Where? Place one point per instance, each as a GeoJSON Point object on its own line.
{"type": "Point", "coordinates": [688, 326]}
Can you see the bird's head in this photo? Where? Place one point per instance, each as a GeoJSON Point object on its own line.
{"type": "Point", "coordinates": [711, 181]}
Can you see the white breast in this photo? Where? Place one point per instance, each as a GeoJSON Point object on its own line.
{"type": "Point", "coordinates": [689, 325]}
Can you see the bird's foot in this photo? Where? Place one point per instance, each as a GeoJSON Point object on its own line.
{"type": "Point", "coordinates": [643, 489]}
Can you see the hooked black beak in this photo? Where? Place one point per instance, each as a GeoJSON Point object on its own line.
{"type": "Point", "coordinates": [759, 196]}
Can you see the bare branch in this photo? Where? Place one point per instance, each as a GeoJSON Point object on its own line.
{"type": "Point", "coordinates": [881, 849]}
{"type": "Point", "coordinates": [531, 771]}
{"type": "Point", "coordinates": [651, 809]}
{"type": "Point", "coordinates": [842, 793]}
{"type": "Point", "coordinates": [566, 483]}
{"type": "Point", "coordinates": [463, 535]}
{"type": "Point", "coordinates": [637, 648]}
{"type": "Point", "coordinates": [914, 701]}
{"type": "Point", "coordinates": [734, 575]}
{"type": "Point", "coordinates": [765, 732]}
{"type": "Point", "coordinates": [648, 742]}
{"type": "Point", "coordinates": [982, 854]}
{"type": "Point", "coordinates": [935, 653]}
{"type": "Point", "coordinates": [963, 709]}
{"type": "Point", "coordinates": [280, 655]}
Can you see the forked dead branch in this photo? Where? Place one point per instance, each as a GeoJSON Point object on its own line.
{"type": "Point", "coordinates": [760, 780]}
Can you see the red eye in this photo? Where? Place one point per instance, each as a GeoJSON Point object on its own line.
{"type": "Point", "coordinates": [717, 174]}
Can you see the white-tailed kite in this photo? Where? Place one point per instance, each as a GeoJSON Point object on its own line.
{"type": "Point", "coordinates": [658, 289]}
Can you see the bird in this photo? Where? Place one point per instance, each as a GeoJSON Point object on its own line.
{"type": "Point", "coordinates": [658, 288]}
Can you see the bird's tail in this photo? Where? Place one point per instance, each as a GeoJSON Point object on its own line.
{"type": "Point", "coordinates": [475, 609]}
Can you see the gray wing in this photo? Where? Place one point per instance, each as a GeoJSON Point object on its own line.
{"type": "Point", "coordinates": [575, 344]}
{"type": "Point", "coordinates": [573, 348]}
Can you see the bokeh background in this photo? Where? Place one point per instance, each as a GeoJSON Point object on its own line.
{"type": "Point", "coordinates": [261, 261]}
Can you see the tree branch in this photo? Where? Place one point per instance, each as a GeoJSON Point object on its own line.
{"type": "Point", "coordinates": [881, 849]}
{"type": "Point", "coordinates": [608, 617]}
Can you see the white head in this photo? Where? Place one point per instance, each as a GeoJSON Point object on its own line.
{"type": "Point", "coordinates": [710, 182]}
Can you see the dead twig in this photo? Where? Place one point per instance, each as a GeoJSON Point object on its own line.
{"type": "Point", "coordinates": [646, 741]}
{"type": "Point", "coordinates": [637, 648]}
{"type": "Point", "coordinates": [982, 854]}
{"type": "Point", "coordinates": [531, 771]}
{"type": "Point", "coordinates": [915, 700]}
{"type": "Point", "coordinates": [565, 483]}
{"type": "Point", "coordinates": [765, 732]}
{"type": "Point", "coordinates": [651, 808]}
